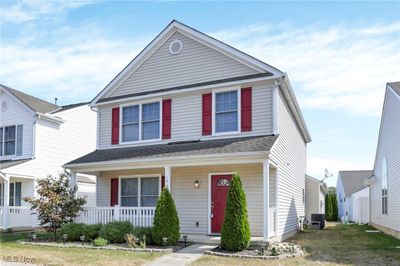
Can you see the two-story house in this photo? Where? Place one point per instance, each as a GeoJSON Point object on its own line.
{"type": "Point", "coordinates": [187, 113]}
{"type": "Point", "coordinates": [384, 184]}
{"type": "Point", "coordinates": [36, 139]}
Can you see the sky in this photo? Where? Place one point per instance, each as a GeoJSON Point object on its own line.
{"type": "Point", "coordinates": [338, 56]}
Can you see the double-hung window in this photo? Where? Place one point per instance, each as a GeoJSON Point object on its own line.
{"type": "Point", "coordinates": [139, 191]}
{"type": "Point", "coordinates": [15, 194]}
{"type": "Point", "coordinates": [226, 111]}
{"type": "Point", "coordinates": [11, 140]}
{"type": "Point", "coordinates": [141, 122]}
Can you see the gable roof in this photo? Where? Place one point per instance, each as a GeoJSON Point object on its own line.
{"type": "Point", "coordinates": [69, 106]}
{"type": "Point", "coordinates": [353, 181]}
{"type": "Point", "coordinates": [35, 104]}
{"type": "Point", "coordinates": [195, 34]}
{"type": "Point", "coordinates": [186, 148]}
{"type": "Point", "coordinates": [322, 184]}
{"type": "Point", "coordinates": [395, 86]}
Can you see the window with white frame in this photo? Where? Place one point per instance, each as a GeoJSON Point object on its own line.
{"type": "Point", "coordinates": [139, 191]}
{"type": "Point", "coordinates": [15, 194]}
{"type": "Point", "coordinates": [11, 140]}
{"type": "Point", "coordinates": [384, 187]}
{"type": "Point", "coordinates": [141, 122]}
{"type": "Point", "coordinates": [226, 111]}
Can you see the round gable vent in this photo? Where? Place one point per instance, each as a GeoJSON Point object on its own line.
{"type": "Point", "coordinates": [175, 47]}
{"type": "Point", "coordinates": [4, 106]}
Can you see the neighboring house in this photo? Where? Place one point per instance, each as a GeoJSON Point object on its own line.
{"type": "Point", "coordinates": [36, 139]}
{"type": "Point", "coordinates": [349, 182]}
{"type": "Point", "coordinates": [360, 208]}
{"type": "Point", "coordinates": [316, 191]}
{"type": "Point", "coordinates": [187, 113]}
{"type": "Point", "coordinates": [385, 183]}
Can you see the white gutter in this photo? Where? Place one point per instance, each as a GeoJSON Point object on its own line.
{"type": "Point", "coordinates": [50, 118]}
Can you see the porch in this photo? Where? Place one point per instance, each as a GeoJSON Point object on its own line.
{"type": "Point", "coordinates": [131, 194]}
{"type": "Point", "coordinates": [14, 211]}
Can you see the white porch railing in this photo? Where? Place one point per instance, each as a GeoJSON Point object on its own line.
{"type": "Point", "coordinates": [139, 216]}
{"type": "Point", "coordinates": [17, 216]}
{"type": "Point", "coordinates": [272, 221]}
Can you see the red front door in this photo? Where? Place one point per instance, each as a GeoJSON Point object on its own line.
{"type": "Point", "coordinates": [219, 192]}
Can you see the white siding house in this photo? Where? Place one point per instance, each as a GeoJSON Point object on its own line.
{"type": "Point", "coordinates": [315, 196]}
{"type": "Point", "coordinates": [185, 114]}
{"type": "Point", "coordinates": [385, 183]}
{"type": "Point", "coordinates": [36, 139]}
{"type": "Point", "coordinates": [348, 183]}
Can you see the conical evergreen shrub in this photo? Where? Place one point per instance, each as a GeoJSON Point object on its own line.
{"type": "Point", "coordinates": [235, 233]}
{"type": "Point", "coordinates": [166, 221]}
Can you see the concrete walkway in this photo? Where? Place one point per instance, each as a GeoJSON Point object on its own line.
{"type": "Point", "coordinates": [184, 256]}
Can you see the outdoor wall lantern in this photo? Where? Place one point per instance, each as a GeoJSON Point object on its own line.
{"type": "Point", "coordinates": [196, 184]}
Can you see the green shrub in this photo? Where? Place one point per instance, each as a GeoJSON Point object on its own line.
{"type": "Point", "coordinates": [331, 208]}
{"type": "Point", "coordinates": [166, 221]}
{"type": "Point", "coordinates": [115, 232]}
{"type": "Point", "coordinates": [92, 231]}
{"type": "Point", "coordinates": [235, 233]}
{"type": "Point", "coordinates": [139, 232]}
{"type": "Point", "coordinates": [99, 242]}
{"type": "Point", "coordinates": [73, 230]}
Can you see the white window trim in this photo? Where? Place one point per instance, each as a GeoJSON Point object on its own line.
{"type": "Point", "coordinates": [14, 194]}
{"type": "Point", "coordinates": [139, 177]}
{"type": "Point", "coordinates": [140, 104]}
{"type": "Point", "coordinates": [3, 128]}
{"type": "Point", "coordinates": [385, 197]}
{"type": "Point", "coordinates": [213, 108]}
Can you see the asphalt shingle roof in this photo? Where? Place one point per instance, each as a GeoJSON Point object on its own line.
{"type": "Point", "coordinates": [36, 104]}
{"type": "Point", "coordinates": [8, 163]}
{"type": "Point", "coordinates": [395, 86]}
{"type": "Point", "coordinates": [231, 145]}
{"type": "Point", "coordinates": [353, 181]}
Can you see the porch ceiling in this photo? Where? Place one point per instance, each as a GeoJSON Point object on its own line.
{"type": "Point", "coordinates": [179, 149]}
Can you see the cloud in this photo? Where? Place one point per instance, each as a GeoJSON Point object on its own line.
{"type": "Point", "coordinates": [341, 67]}
{"type": "Point", "coordinates": [29, 10]}
{"type": "Point", "coordinates": [75, 66]}
{"type": "Point", "coordinates": [316, 166]}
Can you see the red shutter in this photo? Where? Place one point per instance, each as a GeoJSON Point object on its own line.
{"type": "Point", "coordinates": [246, 109]}
{"type": "Point", "coordinates": [166, 119]}
{"type": "Point", "coordinates": [162, 182]}
{"type": "Point", "coordinates": [207, 113]}
{"type": "Point", "coordinates": [115, 126]}
{"type": "Point", "coordinates": [114, 192]}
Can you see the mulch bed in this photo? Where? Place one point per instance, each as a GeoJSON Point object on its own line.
{"type": "Point", "coordinates": [123, 247]}
{"type": "Point", "coordinates": [281, 251]}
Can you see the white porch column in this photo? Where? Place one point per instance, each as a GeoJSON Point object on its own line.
{"type": "Point", "coordinates": [266, 198]}
{"type": "Point", "coordinates": [167, 172]}
{"type": "Point", "coordinates": [6, 211]}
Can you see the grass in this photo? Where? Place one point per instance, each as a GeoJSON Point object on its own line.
{"type": "Point", "coordinates": [9, 248]}
{"type": "Point", "coordinates": [337, 244]}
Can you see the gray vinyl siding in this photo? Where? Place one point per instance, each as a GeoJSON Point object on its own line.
{"type": "Point", "coordinates": [187, 116]}
{"type": "Point", "coordinates": [289, 153]}
{"type": "Point", "coordinates": [194, 64]}
{"type": "Point", "coordinates": [389, 146]}
{"type": "Point", "coordinates": [314, 196]}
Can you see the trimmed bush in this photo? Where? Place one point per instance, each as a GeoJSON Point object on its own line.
{"type": "Point", "coordinates": [139, 232]}
{"type": "Point", "coordinates": [115, 232]}
{"type": "Point", "coordinates": [92, 231]}
{"type": "Point", "coordinates": [99, 242]}
{"type": "Point", "coordinates": [73, 230]}
{"type": "Point", "coordinates": [166, 221]}
{"type": "Point", "coordinates": [331, 207]}
{"type": "Point", "coordinates": [235, 233]}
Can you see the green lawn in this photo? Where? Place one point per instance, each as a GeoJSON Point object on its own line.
{"type": "Point", "coordinates": [68, 256]}
{"type": "Point", "coordinates": [338, 244]}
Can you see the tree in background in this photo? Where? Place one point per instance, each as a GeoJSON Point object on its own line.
{"type": "Point", "coordinates": [166, 221]}
{"type": "Point", "coordinates": [56, 203]}
{"type": "Point", "coordinates": [235, 233]}
{"type": "Point", "coordinates": [331, 205]}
